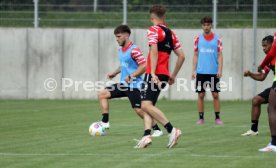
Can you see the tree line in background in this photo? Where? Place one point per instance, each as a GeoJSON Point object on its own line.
{"type": "Point", "coordinates": [139, 5]}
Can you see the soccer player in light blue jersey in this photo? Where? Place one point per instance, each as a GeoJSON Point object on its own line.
{"type": "Point", "coordinates": [207, 68]}
{"type": "Point", "coordinates": [132, 66]}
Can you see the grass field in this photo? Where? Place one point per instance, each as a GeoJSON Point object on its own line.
{"type": "Point", "coordinates": [54, 134]}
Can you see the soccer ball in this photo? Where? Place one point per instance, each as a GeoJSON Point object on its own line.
{"type": "Point", "coordinates": [96, 129]}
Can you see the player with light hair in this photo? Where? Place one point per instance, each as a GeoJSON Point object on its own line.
{"type": "Point", "coordinates": [162, 41]}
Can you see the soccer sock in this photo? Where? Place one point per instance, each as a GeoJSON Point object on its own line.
{"type": "Point", "coordinates": [217, 115]}
{"type": "Point", "coordinates": [201, 115]}
{"type": "Point", "coordinates": [147, 132]}
{"type": "Point", "coordinates": [273, 140]}
{"type": "Point", "coordinates": [105, 118]}
{"type": "Point", "coordinates": [169, 127]}
{"type": "Point", "coordinates": [155, 127]}
{"type": "Point", "coordinates": [254, 125]}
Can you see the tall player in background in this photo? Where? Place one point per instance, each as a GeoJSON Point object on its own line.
{"type": "Point", "coordinates": [207, 68]}
{"type": "Point", "coordinates": [162, 40]}
{"type": "Point", "coordinates": [271, 147]}
{"type": "Point", "coordinates": [261, 98]}
{"type": "Point", "coordinates": [132, 66]}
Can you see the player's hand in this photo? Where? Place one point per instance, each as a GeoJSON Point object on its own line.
{"type": "Point", "coordinates": [155, 79]}
{"type": "Point", "coordinates": [128, 79]}
{"type": "Point", "coordinates": [193, 75]}
{"type": "Point", "coordinates": [171, 80]}
{"type": "Point", "coordinates": [246, 73]}
{"type": "Point", "coordinates": [219, 74]}
{"type": "Point", "coordinates": [110, 75]}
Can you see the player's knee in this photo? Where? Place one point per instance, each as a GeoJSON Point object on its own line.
{"type": "Point", "coordinates": [256, 101]}
{"type": "Point", "coordinates": [201, 95]}
{"type": "Point", "coordinates": [145, 106]}
{"type": "Point", "coordinates": [139, 112]}
{"type": "Point", "coordinates": [215, 95]}
{"type": "Point", "coordinates": [102, 94]}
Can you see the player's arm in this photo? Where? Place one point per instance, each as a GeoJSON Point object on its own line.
{"type": "Point", "coordinates": [140, 70]}
{"type": "Point", "coordinates": [195, 58]}
{"type": "Point", "coordinates": [179, 62]}
{"type": "Point", "coordinates": [153, 63]}
{"type": "Point", "coordinates": [137, 55]}
{"type": "Point", "coordinates": [269, 57]}
{"type": "Point", "coordinates": [255, 76]}
{"type": "Point", "coordinates": [114, 73]}
{"type": "Point", "coordinates": [220, 64]}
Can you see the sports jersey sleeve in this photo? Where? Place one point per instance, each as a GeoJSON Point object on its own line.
{"type": "Point", "coordinates": [270, 55]}
{"type": "Point", "coordinates": [137, 55]}
{"type": "Point", "coordinates": [196, 44]}
{"type": "Point", "coordinates": [152, 35]}
{"type": "Point", "coordinates": [176, 43]}
{"type": "Point", "coordinates": [219, 45]}
{"type": "Point", "coordinates": [266, 69]}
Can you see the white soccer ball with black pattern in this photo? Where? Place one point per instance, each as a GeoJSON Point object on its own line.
{"type": "Point", "coordinates": [96, 129]}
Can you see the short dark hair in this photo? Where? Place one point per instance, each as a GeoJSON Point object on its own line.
{"type": "Point", "coordinates": [158, 9]}
{"type": "Point", "coordinates": [269, 39]}
{"type": "Point", "coordinates": [122, 29]}
{"type": "Point", "coordinates": [206, 19]}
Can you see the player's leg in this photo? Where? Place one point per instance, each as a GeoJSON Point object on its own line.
{"type": "Point", "coordinates": [103, 97]}
{"type": "Point", "coordinates": [216, 103]}
{"type": "Point", "coordinates": [272, 114]}
{"type": "Point", "coordinates": [113, 91]}
{"type": "Point", "coordinates": [134, 97]}
{"type": "Point", "coordinates": [155, 112]}
{"type": "Point", "coordinates": [146, 139]}
{"type": "Point", "coordinates": [150, 93]}
{"type": "Point", "coordinates": [200, 89]}
{"type": "Point", "coordinates": [272, 120]}
{"type": "Point", "coordinates": [257, 101]}
{"type": "Point", "coordinates": [215, 89]}
{"type": "Point", "coordinates": [200, 107]}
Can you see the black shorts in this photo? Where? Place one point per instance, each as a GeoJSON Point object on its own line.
{"type": "Point", "coordinates": [150, 91]}
{"type": "Point", "coordinates": [204, 80]}
{"type": "Point", "coordinates": [274, 86]}
{"type": "Point", "coordinates": [265, 94]}
{"type": "Point", "coordinates": [119, 90]}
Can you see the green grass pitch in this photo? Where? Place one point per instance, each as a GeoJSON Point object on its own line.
{"type": "Point", "coordinates": [54, 134]}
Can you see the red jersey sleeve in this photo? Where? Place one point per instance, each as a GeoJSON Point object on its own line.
{"type": "Point", "coordinates": [266, 69]}
{"type": "Point", "coordinates": [270, 55]}
{"type": "Point", "coordinates": [176, 43]}
{"type": "Point", "coordinates": [219, 45]}
{"type": "Point", "coordinates": [152, 34]}
{"type": "Point", "coordinates": [137, 55]}
{"type": "Point", "coordinates": [196, 44]}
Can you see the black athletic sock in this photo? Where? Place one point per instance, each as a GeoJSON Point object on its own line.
{"type": "Point", "coordinates": [147, 132]}
{"type": "Point", "coordinates": [254, 125]}
{"type": "Point", "coordinates": [273, 140]}
{"type": "Point", "coordinates": [155, 127]}
{"type": "Point", "coordinates": [105, 118]}
{"type": "Point", "coordinates": [201, 115]}
{"type": "Point", "coordinates": [169, 127]}
{"type": "Point", "coordinates": [217, 115]}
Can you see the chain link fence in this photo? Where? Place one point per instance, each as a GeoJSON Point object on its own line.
{"type": "Point", "coordinates": [108, 13]}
